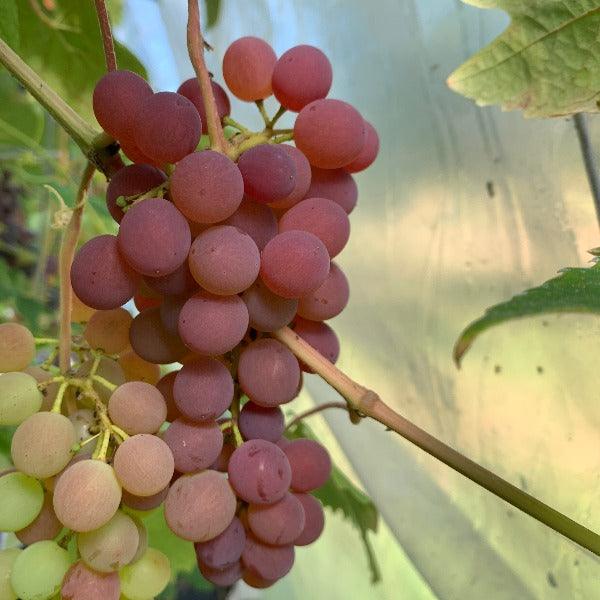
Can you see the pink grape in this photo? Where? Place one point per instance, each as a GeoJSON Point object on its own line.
{"type": "Point", "coordinates": [303, 176]}
{"type": "Point", "coordinates": [268, 311]}
{"type": "Point", "coordinates": [369, 151]}
{"type": "Point", "coordinates": [310, 463]}
{"type": "Point", "coordinates": [190, 88]}
{"type": "Point", "coordinates": [224, 550]}
{"type": "Point", "coordinates": [222, 577]}
{"type": "Point", "coordinates": [327, 301]}
{"type": "Point", "coordinates": [257, 220]}
{"type": "Point", "coordinates": [320, 336]}
{"type": "Point", "coordinates": [277, 524]}
{"type": "Point", "coordinates": [314, 517]}
{"type": "Point", "coordinates": [268, 562]}
{"type": "Point", "coordinates": [178, 283]}
{"type": "Point", "coordinates": [258, 422]}
{"type": "Point", "coordinates": [195, 446]}
{"type": "Point", "coordinates": [334, 184]}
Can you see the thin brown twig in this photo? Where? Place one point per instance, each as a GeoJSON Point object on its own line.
{"type": "Point", "coordinates": [367, 402]}
{"type": "Point", "coordinates": [107, 37]}
{"type": "Point", "coordinates": [67, 252]}
{"type": "Point", "coordinates": [195, 44]}
{"type": "Point", "coordinates": [314, 411]}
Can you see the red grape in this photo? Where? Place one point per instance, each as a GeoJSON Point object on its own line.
{"type": "Point", "coordinates": [257, 220]}
{"type": "Point", "coordinates": [165, 387]}
{"type": "Point", "coordinates": [191, 90]}
{"type": "Point", "coordinates": [195, 446]}
{"type": "Point", "coordinates": [301, 75]}
{"type": "Point", "coordinates": [314, 520]}
{"type": "Point", "coordinates": [222, 577]}
{"type": "Point", "coordinates": [268, 562]}
{"type": "Point", "coordinates": [224, 550]}
{"type": "Point", "coordinates": [327, 301]}
{"type": "Point", "coordinates": [268, 311]}
{"type": "Point", "coordinates": [83, 583]}
{"type": "Point", "coordinates": [247, 68]}
{"type": "Point", "coordinates": [177, 283]}
{"type": "Point", "coordinates": [369, 151]}
{"type": "Point", "coordinates": [310, 463]}
{"type": "Point", "coordinates": [331, 133]}
{"type": "Point", "coordinates": [334, 184]}
{"type": "Point", "coordinates": [320, 336]}
{"type": "Point", "coordinates": [277, 524]}
{"type": "Point", "coordinates": [100, 277]}
{"type": "Point", "coordinates": [169, 311]}
{"type": "Point", "coordinates": [294, 264]}
{"type": "Point", "coordinates": [302, 183]}
{"type": "Point", "coordinates": [258, 422]}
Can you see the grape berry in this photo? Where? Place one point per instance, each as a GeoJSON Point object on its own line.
{"type": "Point", "coordinates": [217, 252]}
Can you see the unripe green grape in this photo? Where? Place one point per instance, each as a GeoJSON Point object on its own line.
{"type": "Point", "coordinates": [17, 347]}
{"type": "Point", "coordinates": [147, 577]}
{"type": "Point", "coordinates": [19, 398]}
{"type": "Point", "coordinates": [7, 560]}
{"type": "Point", "coordinates": [39, 570]}
{"type": "Point", "coordinates": [22, 498]}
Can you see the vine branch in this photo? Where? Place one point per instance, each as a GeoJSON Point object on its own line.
{"type": "Point", "coordinates": [314, 411]}
{"type": "Point", "coordinates": [195, 43]}
{"type": "Point", "coordinates": [367, 402]}
{"type": "Point", "coordinates": [107, 37]}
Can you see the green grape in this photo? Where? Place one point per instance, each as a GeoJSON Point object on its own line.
{"type": "Point", "coordinates": [39, 570]}
{"type": "Point", "coordinates": [147, 577]}
{"type": "Point", "coordinates": [7, 560]}
{"type": "Point", "coordinates": [19, 398]}
{"type": "Point", "coordinates": [22, 498]}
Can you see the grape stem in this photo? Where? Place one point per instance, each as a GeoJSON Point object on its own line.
{"type": "Point", "coordinates": [120, 433]}
{"type": "Point", "coordinates": [280, 112]}
{"type": "Point", "coordinates": [263, 113]}
{"type": "Point", "coordinates": [107, 37]}
{"type": "Point", "coordinates": [195, 43]}
{"type": "Point", "coordinates": [368, 403]}
{"type": "Point", "coordinates": [66, 254]}
{"type": "Point", "coordinates": [57, 405]}
{"type": "Point", "coordinates": [233, 123]}
{"type": "Point", "coordinates": [104, 382]}
{"type": "Point", "coordinates": [314, 411]}
{"type": "Point", "coordinates": [45, 341]}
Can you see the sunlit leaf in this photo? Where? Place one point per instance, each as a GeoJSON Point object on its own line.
{"type": "Point", "coordinates": [9, 23]}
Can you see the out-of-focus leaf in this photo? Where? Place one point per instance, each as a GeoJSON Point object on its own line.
{"type": "Point", "coordinates": [575, 290]}
{"type": "Point", "coordinates": [21, 118]}
{"type": "Point", "coordinates": [9, 23]}
{"type": "Point", "coordinates": [65, 48]}
{"type": "Point", "coordinates": [339, 493]}
{"type": "Point", "coordinates": [6, 434]}
{"type": "Point", "coordinates": [213, 9]}
{"type": "Point", "coordinates": [547, 62]}
{"type": "Point", "coordinates": [189, 586]}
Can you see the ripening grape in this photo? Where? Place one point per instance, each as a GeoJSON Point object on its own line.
{"type": "Point", "coordinates": [137, 407]}
{"type": "Point", "coordinates": [41, 445]}
{"type": "Point", "coordinates": [224, 260]}
{"type": "Point", "coordinates": [143, 539]}
{"type": "Point", "coordinates": [131, 181]}
{"type": "Point", "coordinates": [369, 151]}
{"type": "Point", "coordinates": [45, 526]}
{"type": "Point", "coordinates": [320, 336]}
{"type": "Point", "coordinates": [207, 187]}
{"type": "Point", "coordinates": [80, 312]}
{"type": "Point", "coordinates": [143, 464]}
{"type": "Point", "coordinates": [109, 369]}
{"type": "Point", "coordinates": [7, 560]}
{"type": "Point", "coordinates": [86, 495]}
{"type": "Point", "coordinates": [22, 500]}
{"type": "Point", "coordinates": [277, 524]}
{"type": "Point", "coordinates": [147, 577]}
{"type": "Point", "coordinates": [135, 155]}
{"type": "Point", "coordinates": [108, 330]}
{"type": "Point", "coordinates": [310, 463]}
{"type": "Point", "coordinates": [268, 372]}
{"type": "Point", "coordinates": [222, 577]}
{"type": "Point", "coordinates": [248, 67]}
{"type": "Point", "coordinates": [301, 75]}
{"type": "Point", "coordinates": [38, 571]}
{"type": "Point", "coordinates": [259, 472]}
{"type": "Point", "coordinates": [330, 133]}
{"type": "Point", "coordinates": [19, 397]}
{"type": "Point", "coordinates": [17, 347]}
{"type": "Point", "coordinates": [191, 90]}
{"type": "Point", "coordinates": [327, 301]}
{"type": "Point", "coordinates": [167, 127]}
{"type": "Point", "coordinates": [324, 218]}
{"type": "Point", "coordinates": [268, 562]}
{"type": "Point", "coordinates": [169, 311]}
{"type": "Point", "coordinates": [257, 582]}
{"type": "Point", "coordinates": [178, 283]}
{"type": "Point", "coordinates": [152, 342]}
{"type": "Point", "coordinates": [144, 503]}
{"type": "Point", "coordinates": [213, 325]}
{"type": "Point", "coordinates": [116, 98]}
{"type": "Point", "coordinates": [257, 220]}
{"type": "Point", "coordinates": [294, 263]}
{"type": "Point", "coordinates": [99, 275]}
{"type": "Point", "coordinates": [335, 184]}
{"type": "Point", "coordinates": [222, 461]}
{"type": "Point", "coordinates": [50, 389]}
{"type": "Point", "coordinates": [195, 446]}
{"type": "Point", "coordinates": [302, 183]}
{"type": "Point", "coordinates": [268, 311]}
{"type": "Point", "coordinates": [314, 517]}
{"type": "Point", "coordinates": [83, 583]}
{"type": "Point", "coordinates": [165, 387]}
{"type": "Point", "coordinates": [258, 422]}
{"type": "Point", "coordinates": [154, 237]}
{"type": "Point", "coordinates": [203, 389]}
{"type": "Point", "coordinates": [269, 173]}
{"type": "Point", "coordinates": [200, 506]}
{"type": "Point", "coordinates": [111, 546]}
{"type": "Point", "coordinates": [224, 550]}
{"type": "Point", "coordinates": [136, 368]}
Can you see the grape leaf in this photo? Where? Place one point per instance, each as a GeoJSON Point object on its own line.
{"type": "Point", "coordinates": [547, 62]}
{"type": "Point", "coordinates": [339, 493]}
{"type": "Point", "coordinates": [213, 9]}
{"type": "Point", "coordinates": [64, 46]}
{"type": "Point", "coordinates": [21, 118]}
{"type": "Point", "coordinates": [575, 290]}
{"type": "Point", "coordinates": [9, 23]}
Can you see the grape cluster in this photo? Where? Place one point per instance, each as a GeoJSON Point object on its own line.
{"type": "Point", "coordinates": [218, 251]}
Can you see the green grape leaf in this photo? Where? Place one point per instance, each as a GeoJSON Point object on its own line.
{"type": "Point", "coordinates": [9, 23]}
{"type": "Point", "coordinates": [6, 434]}
{"type": "Point", "coordinates": [339, 493]}
{"type": "Point", "coordinates": [213, 9]}
{"type": "Point", "coordinates": [21, 118]}
{"type": "Point", "coordinates": [547, 62]}
{"type": "Point", "coordinates": [575, 290]}
{"type": "Point", "coordinates": [64, 46]}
